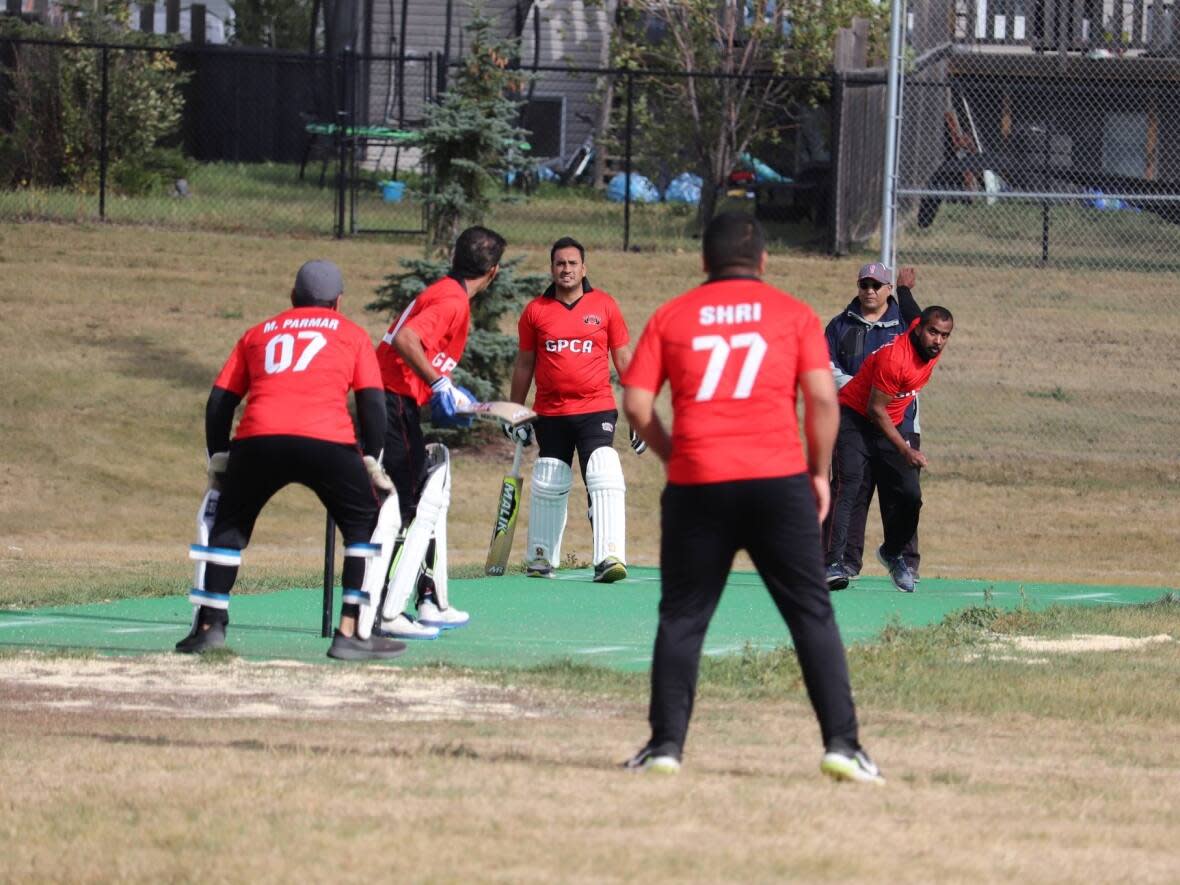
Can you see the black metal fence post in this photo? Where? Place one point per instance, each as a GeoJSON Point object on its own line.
{"type": "Point", "coordinates": [627, 163]}
{"type": "Point", "coordinates": [103, 102]}
{"type": "Point", "coordinates": [329, 576]}
{"type": "Point", "coordinates": [341, 142]}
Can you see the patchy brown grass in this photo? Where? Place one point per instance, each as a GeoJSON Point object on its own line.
{"type": "Point", "coordinates": [145, 774]}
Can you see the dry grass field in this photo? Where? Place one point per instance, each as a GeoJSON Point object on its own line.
{"type": "Point", "coordinates": [1050, 427]}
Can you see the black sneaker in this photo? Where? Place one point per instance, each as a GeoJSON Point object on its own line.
{"type": "Point", "coordinates": [899, 572]}
{"type": "Point", "coordinates": [353, 648]}
{"type": "Point", "coordinates": [664, 759]}
{"type": "Point", "coordinates": [202, 638]}
{"type": "Point", "coordinates": [609, 570]}
{"type": "Point", "coordinates": [836, 577]}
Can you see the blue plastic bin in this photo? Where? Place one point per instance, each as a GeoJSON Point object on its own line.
{"type": "Point", "coordinates": [393, 191]}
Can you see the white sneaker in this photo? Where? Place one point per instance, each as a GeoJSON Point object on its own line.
{"type": "Point", "coordinates": [405, 627]}
{"type": "Point", "coordinates": [851, 765]}
{"type": "Point", "coordinates": [440, 618]}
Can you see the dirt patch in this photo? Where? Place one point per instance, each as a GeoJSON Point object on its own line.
{"type": "Point", "coordinates": [237, 689]}
{"type": "Point", "coordinates": [1017, 648]}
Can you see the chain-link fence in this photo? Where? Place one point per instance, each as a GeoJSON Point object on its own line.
{"type": "Point", "coordinates": [226, 138]}
{"type": "Point", "coordinates": [1038, 192]}
{"type": "Point", "coordinates": [1013, 150]}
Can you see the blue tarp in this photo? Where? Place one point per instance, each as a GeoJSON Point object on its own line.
{"type": "Point", "coordinates": [684, 188]}
{"type": "Point", "coordinates": [642, 190]}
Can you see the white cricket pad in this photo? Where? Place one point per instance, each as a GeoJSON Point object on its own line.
{"type": "Point", "coordinates": [432, 512]}
{"type": "Point", "coordinates": [608, 511]}
{"type": "Point", "coordinates": [548, 495]}
{"type": "Point", "coordinates": [384, 539]}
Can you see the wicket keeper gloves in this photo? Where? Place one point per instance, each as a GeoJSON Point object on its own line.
{"type": "Point", "coordinates": [524, 433]}
{"type": "Point", "coordinates": [637, 444]}
{"type": "Point", "coordinates": [377, 474]}
{"type": "Point", "coordinates": [447, 402]}
{"type": "Point", "coordinates": [218, 462]}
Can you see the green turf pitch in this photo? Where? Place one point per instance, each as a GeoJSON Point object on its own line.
{"type": "Point", "coordinates": [519, 622]}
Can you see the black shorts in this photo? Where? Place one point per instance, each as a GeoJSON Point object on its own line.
{"type": "Point", "coordinates": [559, 435]}
{"type": "Point", "coordinates": [261, 465]}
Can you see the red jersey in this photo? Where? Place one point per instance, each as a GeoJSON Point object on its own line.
{"type": "Point", "coordinates": [440, 316]}
{"type": "Point", "coordinates": [896, 369]}
{"type": "Point", "coordinates": [573, 343]}
{"type": "Point", "coordinates": [732, 351]}
{"type": "Point", "coordinates": [295, 371]}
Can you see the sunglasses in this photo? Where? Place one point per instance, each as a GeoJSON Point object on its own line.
{"type": "Point", "coordinates": [871, 284]}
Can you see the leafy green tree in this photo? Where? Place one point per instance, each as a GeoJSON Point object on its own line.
{"type": "Point", "coordinates": [277, 24]}
{"type": "Point", "coordinates": [751, 47]}
{"type": "Point", "coordinates": [470, 138]}
{"type": "Point", "coordinates": [55, 96]}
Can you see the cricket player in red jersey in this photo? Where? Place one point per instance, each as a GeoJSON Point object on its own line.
{"type": "Point", "coordinates": [295, 371]}
{"type": "Point", "coordinates": [417, 356]}
{"type": "Point", "coordinates": [566, 335]}
{"type": "Point", "coordinates": [872, 406]}
{"type": "Point", "coordinates": [737, 354]}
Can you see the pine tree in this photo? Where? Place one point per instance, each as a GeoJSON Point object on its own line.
{"type": "Point", "coordinates": [471, 137]}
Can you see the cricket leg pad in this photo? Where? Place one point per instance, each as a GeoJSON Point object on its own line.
{"type": "Point", "coordinates": [607, 489]}
{"type": "Point", "coordinates": [548, 496]}
{"type": "Point", "coordinates": [376, 554]}
{"type": "Point", "coordinates": [432, 512]}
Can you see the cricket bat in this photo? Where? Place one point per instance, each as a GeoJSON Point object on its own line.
{"type": "Point", "coordinates": [509, 506]}
{"type": "Point", "coordinates": [513, 414]}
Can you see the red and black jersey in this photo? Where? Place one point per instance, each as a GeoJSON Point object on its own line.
{"type": "Point", "coordinates": [296, 370]}
{"type": "Point", "coordinates": [440, 316]}
{"type": "Point", "coordinates": [572, 343]}
{"type": "Point", "coordinates": [896, 369]}
{"type": "Point", "coordinates": [732, 351]}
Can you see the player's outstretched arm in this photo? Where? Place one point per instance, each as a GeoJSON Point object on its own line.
{"type": "Point", "coordinates": [639, 405]}
{"type": "Point", "coordinates": [821, 422]}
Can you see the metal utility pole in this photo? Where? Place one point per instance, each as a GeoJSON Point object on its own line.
{"type": "Point", "coordinates": [892, 95]}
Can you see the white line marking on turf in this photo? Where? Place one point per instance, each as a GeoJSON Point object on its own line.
{"type": "Point", "coordinates": [165, 629]}
{"type": "Point", "coordinates": [31, 622]}
{"type": "Point", "coordinates": [1085, 596]}
{"type": "Point", "coordinates": [602, 649]}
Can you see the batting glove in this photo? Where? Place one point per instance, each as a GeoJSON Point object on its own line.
{"type": "Point", "coordinates": [448, 402]}
{"type": "Point", "coordinates": [377, 474]}
{"type": "Point", "coordinates": [523, 433]}
{"type": "Point", "coordinates": [637, 444]}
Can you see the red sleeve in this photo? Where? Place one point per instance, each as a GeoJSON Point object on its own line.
{"type": "Point", "coordinates": [616, 330]}
{"type": "Point", "coordinates": [235, 374]}
{"type": "Point", "coordinates": [366, 371]}
{"type": "Point", "coordinates": [813, 347]}
{"type": "Point", "coordinates": [435, 322]}
{"type": "Point", "coordinates": [646, 370]}
{"type": "Point", "coordinates": [525, 329]}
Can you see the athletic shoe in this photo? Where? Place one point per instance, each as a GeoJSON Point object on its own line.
{"type": "Point", "coordinates": [353, 648]}
{"type": "Point", "coordinates": [200, 640]}
{"type": "Point", "coordinates": [851, 571]}
{"type": "Point", "coordinates": [538, 568]}
{"type": "Point", "coordinates": [609, 570]}
{"type": "Point", "coordinates": [405, 627]}
{"type": "Point", "coordinates": [664, 759]}
{"type": "Point", "coordinates": [432, 615]}
{"type": "Point", "coordinates": [836, 577]}
{"type": "Point", "coordinates": [851, 765]}
{"type": "Point", "coordinates": [899, 572]}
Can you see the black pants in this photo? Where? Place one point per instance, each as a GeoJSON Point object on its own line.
{"type": "Point", "coordinates": [261, 465]}
{"type": "Point", "coordinates": [855, 541]}
{"type": "Point", "coordinates": [405, 452]}
{"type": "Point", "coordinates": [702, 528]}
{"type": "Point", "coordinates": [558, 436]}
{"type": "Point", "coordinates": [861, 447]}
